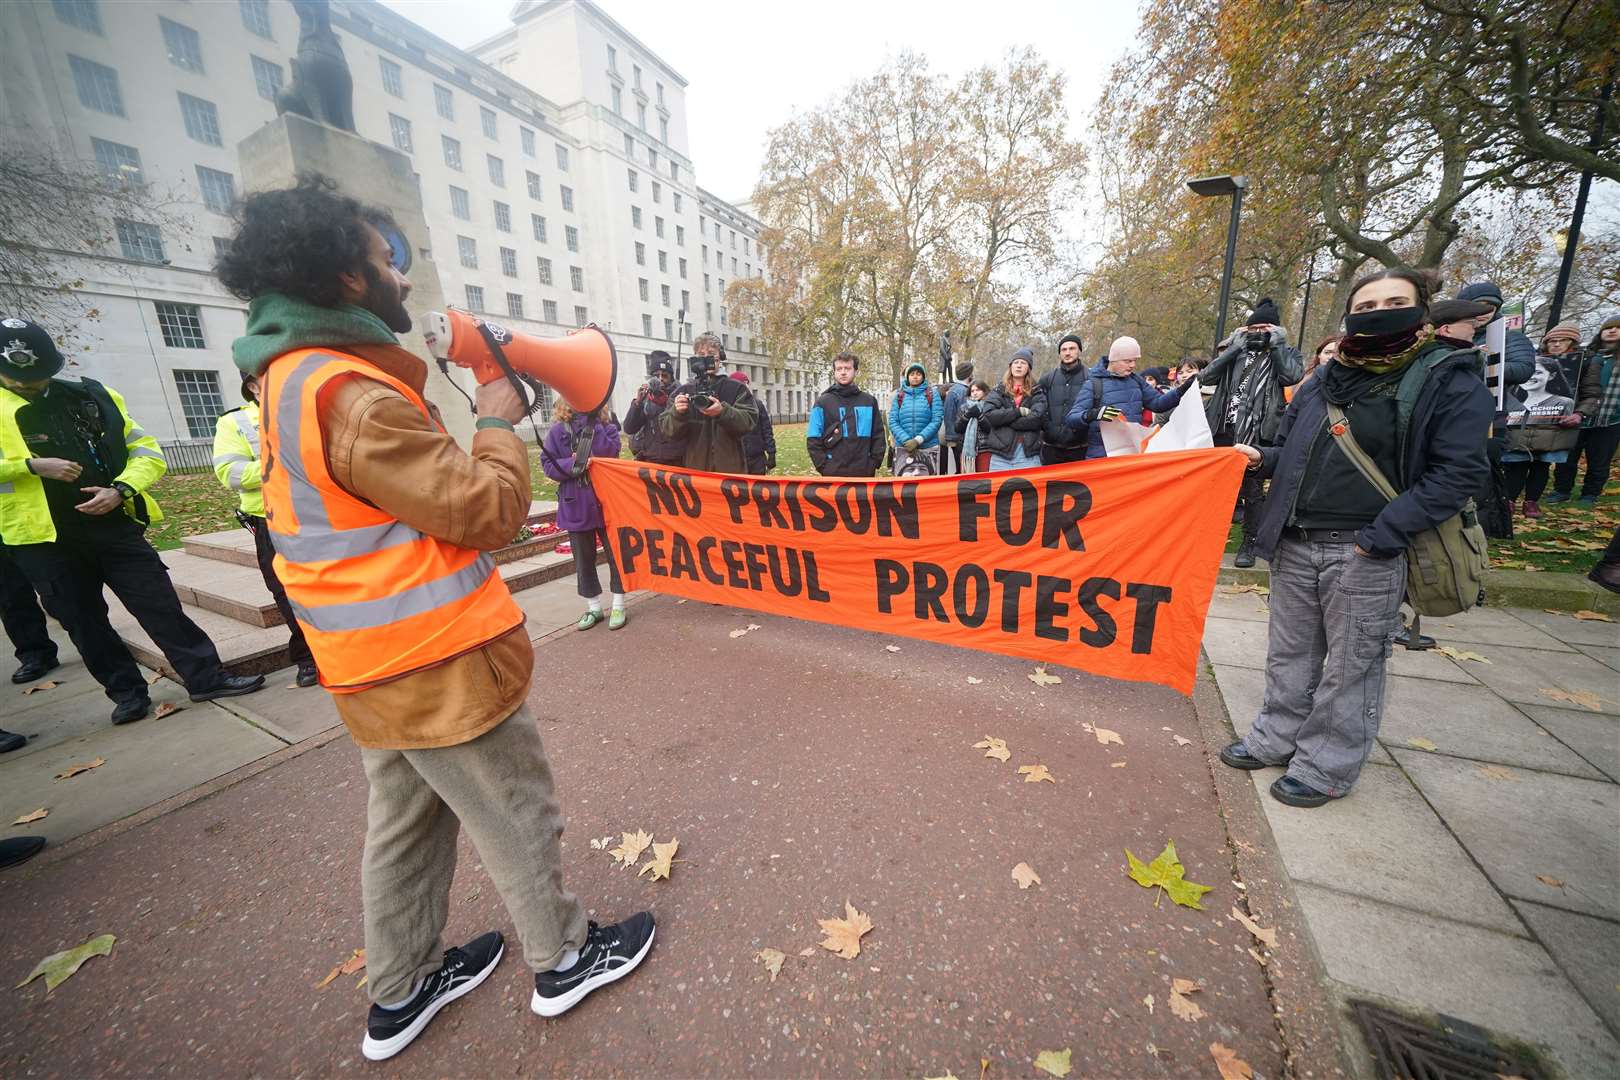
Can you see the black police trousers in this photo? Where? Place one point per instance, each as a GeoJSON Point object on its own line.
{"type": "Point", "coordinates": [21, 616]}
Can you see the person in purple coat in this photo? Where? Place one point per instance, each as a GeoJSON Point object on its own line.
{"type": "Point", "coordinates": [570, 444]}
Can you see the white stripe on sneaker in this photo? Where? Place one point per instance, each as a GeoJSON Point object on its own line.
{"type": "Point", "coordinates": [383, 1049]}
{"type": "Point", "coordinates": [598, 976]}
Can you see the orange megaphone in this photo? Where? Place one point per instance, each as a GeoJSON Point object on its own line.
{"type": "Point", "coordinates": [582, 367]}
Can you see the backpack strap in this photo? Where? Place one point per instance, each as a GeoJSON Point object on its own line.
{"type": "Point", "coordinates": [1096, 392]}
{"type": "Point", "coordinates": [1345, 440]}
{"type": "Point", "coordinates": [1411, 388]}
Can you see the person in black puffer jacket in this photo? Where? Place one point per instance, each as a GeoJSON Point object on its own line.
{"type": "Point", "coordinates": [845, 434]}
{"type": "Point", "coordinates": [1062, 386]}
{"type": "Point", "coordinates": [1014, 414]}
{"type": "Point", "coordinates": [647, 440]}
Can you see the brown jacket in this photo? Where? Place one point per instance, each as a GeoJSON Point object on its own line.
{"type": "Point", "coordinates": [382, 449]}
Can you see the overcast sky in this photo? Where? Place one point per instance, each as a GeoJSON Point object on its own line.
{"type": "Point", "coordinates": [750, 65]}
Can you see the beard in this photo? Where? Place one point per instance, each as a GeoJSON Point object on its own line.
{"type": "Point", "coordinates": [384, 300]}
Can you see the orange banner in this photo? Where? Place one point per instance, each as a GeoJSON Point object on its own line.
{"type": "Point", "coordinates": [1107, 566]}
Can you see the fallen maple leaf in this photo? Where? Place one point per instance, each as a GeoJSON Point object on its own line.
{"type": "Point", "coordinates": [1040, 678]}
{"type": "Point", "coordinates": [659, 864]}
{"type": "Point", "coordinates": [351, 964]}
{"type": "Point", "coordinates": [1231, 1066]}
{"type": "Point", "coordinates": [35, 816]}
{"type": "Point", "coordinates": [75, 770]}
{"type": "Point", "coordinates": [1182, 740]}
{"type": "Point", "coordinates": [772, 959]}
{"type": "Point", "coordinates": [1148, 1001]}
{"type": "Point", "coordinates": [1025, 875]}
{"type": "Point", "coordinates": [1055, 1062]}
{"type": "Point", "coordinates": [1034, 774]}
{"type": "Point", "coordinates": [1592, 616]}
{"type": "Point", "coordinates": [631, 848]}
{"type": "Point", "coordinates": [1166, 872]}
{"type": "Point", "coordinates": [1103, 735]}
{"type": "Point", "coordinates": [1267, 936]}
{"type": "Point", "coordinates": [1496, 772]}
{"type": "Point", "coordinates": [1421, 744]}
{"type": "Point", "coordinates": [1584, 698]}
{"type": "Point", "coordinates": [1180, 1004]}
{"type": "Point", "coordinates": [1550, 882]}
{"type": "Point", "coordinates": [993, 748]}
{"type": "Point", "coordinates": [1462, 654]}
{"type": "Point", "coordinates": [843, 936]}
{"type": "Point", "coordinates": [58, 968]}
{"type": "Point", "coordinates": [165, 709]}
{"type": "Point", "coordinates": [37, 687]}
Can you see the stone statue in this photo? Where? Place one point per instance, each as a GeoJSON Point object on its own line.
{"type": "Point", "coordinates": [322, 88]}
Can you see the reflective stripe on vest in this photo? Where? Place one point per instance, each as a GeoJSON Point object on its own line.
{"type": "Point", "coordinates": [376, 598]}
{"type": "Point", "coordinates": [249, 430]}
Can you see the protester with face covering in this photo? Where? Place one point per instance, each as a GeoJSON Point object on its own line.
{"type": "Point", "coordinates": [1246, 406]}
{"type": "Point", "coordinates": [1118, 394]}
{"type": "Point", "coordinates": [647, 439]}
{"type": "Point", "coordinates": [1061, 385]}
{"type": "Point", "coordinates": [1337, 547]}
{"type": "Point", "coordinates": [1600, 430]}
{"type": "Point", "coordinates": [1014, 415]}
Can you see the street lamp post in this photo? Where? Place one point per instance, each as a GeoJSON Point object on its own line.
{"type": "Point", "coordinates": [1233, 186]}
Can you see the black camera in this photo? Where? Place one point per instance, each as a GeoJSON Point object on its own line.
{"type": "Point", "coordinates": [702, 399]}
{"type": "Point", "coordinates": [1258, 340]}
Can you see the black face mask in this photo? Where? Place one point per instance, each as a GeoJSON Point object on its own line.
{"type": "Point", "coordinates": [1383, 332]}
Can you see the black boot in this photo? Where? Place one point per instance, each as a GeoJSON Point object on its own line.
{"type": "Point", "coordinates": [1245, 555]}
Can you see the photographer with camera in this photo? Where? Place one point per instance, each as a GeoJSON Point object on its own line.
{"type": "Point", "coordinates": [1246, 403]}
{"type": "Point", "coordinates": [844, 435]}
{"type": "Point", "coordinates": [566, 457]}
{"type": "Point", "coordinates": [647, 440]}
{"type": "Point", "coordinates": [710, 412]}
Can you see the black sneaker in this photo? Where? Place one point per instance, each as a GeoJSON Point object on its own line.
{"type": "Point", "coordinates": [388, 1031]}
{"type": "Point", "coordinates": [610, 953]}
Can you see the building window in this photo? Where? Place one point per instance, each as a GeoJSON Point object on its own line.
{"type": "Point", "coordinates": [641, 116]}
{"type": "Point", "coordinates": [97, 85]}
{"type": "Point", "coordinates": [657, 192]}
{"type": "Point", "coordinates": [81, 13]}
{"type": "Point", "coordinates": [185, 48]}
{"type": "Point", "coordinates": [497, 170]}
{"type": "Point", "coordinates": [536, 192]}
{"type": "Point", "coordinates": [400, 129]}
{"type": "Point", "coordinates": [725, 339]}
{"type": "Point", "coordinates": [676, 197]}
{"type": "Point", "coordinates": [452, 152]}
{"type": "Point", "coordinates": [680, 241]}
{"type": "Point", "coordinates": [717, 232]}
{"type": "Point", "coordinates": [706, 280]}
{"type": "Point", "coordinates": [642, 288]}
{"type": "Point", "coordinates": [562, 157]}
{"type": "Point", "coordinates": [545, 272]}
{"type": "Point", "coordinates": [475, 298]}
{"type": "Point", "coordinates": [629, 147]}
{"type": "Point", "coordinates": [200, 401]}
{"type": "Point", "coordinates": [539, 224]}
{"type": "Point", "coordinates": [460, 204]}
{"type": "Point", "coordinates": [663, 131]}
{"type": "Point", "coordinates": [503, 217]}
{"type": "Point", "coordinates": [652, 157]}
{"type": "Point", "coordinates": [635, 217]}
{"type": "Point", "coordinates": [486, 117]}
{"type": "Point", "coordinates": [119, 162]}
{"type": "Point", "coordinates": [581, 316]}
{"type": "Point", "coordinates": [548, 310]}
{"type": "Point", "coordinates": [202, 120]}
{"type": "Point", "coordinates": [669, 329]}
{"type": "Point", "coordinates": [567, 197]}
{"type": "Point", "coordinates": [748, 269]}
{"type": "Point", "coordinates": [708, 312]}
{"type": "Point", "coordinates": [719, 259]}
{"type": "Point", "coordinates": [618, 101]}
{"type": "Point", "coordinates": [571, 237]}
{"type": "Point", "coordinates": [633, 179]}
{"type": "Point", "coordinates": [222, 247]}
{"type": "Point", "coordinates": [139, 240]}
{"type": "Point", "coordinates": [663, 294]}
{"type": "Point", "coordinates": [613, 58]}
{"type": "Point", "coordinates": [443, 103]}
{"type": "Point", "coordinates": [641, 253]}
{"type": "Point", "coordinates": [733, 233]}
{"type": "Point", "coordinates": [266, 78]}
{"type": "Point", "coordinates": [393, 77]}
{"type": "Point", "coordinates": [646, 326]}
{"type": "Point", "coordinates": [467, 247]}
{"type": "Point", "coordinates": [636, 75]}
{"type": "Point", "coordinates": [509, 261]}
{"type": "Point", "coordinates": [734, 266]}
{"type": "Point", "coordinates": [674, 171]}
{"type": "Point", "coordinates": [686, 300]}
{"type": "Point", "coordinates": [527, 138]}
{"type": "Point", "coordinates": [658, 227]}
{"type": "Point", "coordinates": [256, 16]}
{"type": "Point", "coordinates": [663, 262]}
{"type": "Point", "coordinates": [218, 189]}
{"type": "Point", "coordinates": [576, 278]}
{"type": "Point", "coordinates": [181, 325]}
{"type": "Point", "coordinates": [514, 305]}
{"type": "Point", "coordinates": [746, 250]}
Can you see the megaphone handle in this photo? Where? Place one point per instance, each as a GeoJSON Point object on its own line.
{"type": "Point", "coordinates": [506, 368]}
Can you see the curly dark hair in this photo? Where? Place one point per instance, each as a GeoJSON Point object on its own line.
{"type": "Point", "coordinates": [297, 240]}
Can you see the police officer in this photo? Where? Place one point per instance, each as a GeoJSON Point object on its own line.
{"type": "Point", "coordinates": [236, 463]}
{"type": "Point", "coordinates": [25, 626]}
{"type": "Point", "coordinates": [74, 469]}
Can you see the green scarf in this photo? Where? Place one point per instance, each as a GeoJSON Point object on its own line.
{"type": "Point", "coordinates": [1383, 365]}
{"type": "Point", "coordinates": [277, 323]}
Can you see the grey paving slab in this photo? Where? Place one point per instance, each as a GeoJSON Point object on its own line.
{"type": "Point", "coordinates": [73, 710]}
{"type": "Point", "coordinates": [1592, 735]}
{"type": "Point", "coordinates": [290, 712]}
{"type": "Point", "coordinates": [1587, 948]}
{"type": "Point", "coordinates": [1243, 689]}
{"type": "Point", "coordinates": [1559, 827]}
{"type": "Point", "coordinates": [1607, 655]}
{"type": "Point", "coordinates": [1569, 629]}
{"type": "Point", "coordinates": [1502, 983]}
{"type": "Point", "coordinates": [146, 762]}
{"type": "Point", "coordinates": [1533, 670]}
{"type": "Point", "coordinates": [1247, 607]}
{"type": "Point", "coordinates": [1242, 643]}
{"type": "Point", "coordinates": [1472, 722]}
{"type": "Point", "coordinates": [1382, 841]}
{"type": "Point", "coordinates": [72, 680]}
{"type": "Point", "coordinates": [1490, 626]}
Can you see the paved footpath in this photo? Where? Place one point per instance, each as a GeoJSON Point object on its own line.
{"type": "Point", "coordinates": [800, 766]}
{"type": "Point", "coordinates": [1474, 872]}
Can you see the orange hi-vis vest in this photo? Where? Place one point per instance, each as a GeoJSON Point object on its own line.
{"type": "Point", "coordinates": [376, 598]}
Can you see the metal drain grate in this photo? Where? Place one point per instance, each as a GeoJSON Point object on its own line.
{"type": "Point", "coordinates": [1406, 1050]}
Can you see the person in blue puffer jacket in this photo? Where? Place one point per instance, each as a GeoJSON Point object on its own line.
{"type": "Point", "coordinates": [915, 415]}
{"type": "Point", "coordinates": [1117, 393]}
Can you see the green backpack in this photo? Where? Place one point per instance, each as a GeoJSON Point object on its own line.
{"type": "Point", "coordinates": [1445, 565]}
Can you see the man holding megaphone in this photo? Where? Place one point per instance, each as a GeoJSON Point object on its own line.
{"type": "Point", "coordinates": [711, 411]}
{"type": "Point", "coordinates": [381, 526]}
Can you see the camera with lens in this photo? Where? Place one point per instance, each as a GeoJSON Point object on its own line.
{"type": "Point", "coordinates": [1258, 340]}
{"type": "Point", "coordinates": [702, 399]}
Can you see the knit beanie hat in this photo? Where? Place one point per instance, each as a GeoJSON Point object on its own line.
{"type": "Point", "coordinates": [1264, 312]}
{"type": "Point", "coordinates": [1563, 332]}
{"type": "Point", "coordinates": [1612, 320]}
{"type": "Point", "coordinates": [1074, 338]}
{"type": "Point", "coordinates": [1485, 292]}
{"type": "Point", "coordinates": [1025, 354]}
{"type": "Point", "coordinates": [1127, 348]}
